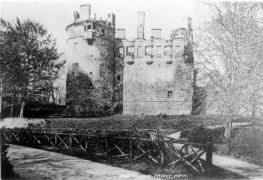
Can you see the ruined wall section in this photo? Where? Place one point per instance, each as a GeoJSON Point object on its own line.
{"type": "Point", "coordinates": [118, 75]}
{"type": "Point", "coordinates": [158, 80]}
{"type": "Point", "coordinates": [91, 48]}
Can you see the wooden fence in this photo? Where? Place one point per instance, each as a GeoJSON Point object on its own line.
{"type": "Point", "coordinates": [131, 144]}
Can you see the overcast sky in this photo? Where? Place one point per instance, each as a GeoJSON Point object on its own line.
{"type": "Point", "coordinates": [56, 15]}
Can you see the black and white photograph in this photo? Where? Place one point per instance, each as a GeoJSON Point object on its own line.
{"type": "Point", "coordinates": [131, 89]}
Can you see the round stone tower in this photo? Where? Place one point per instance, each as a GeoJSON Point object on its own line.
{"type": "Point", "coordinates": [90, 60]}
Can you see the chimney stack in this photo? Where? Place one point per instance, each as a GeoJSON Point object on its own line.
{"type": "Point", "coordinates": [76, 16]}
{"type": "Point", "coordinates": [156, 33]}
{"type": "Point", "coordinates": [94, 16]}
{"type": "Point", "coordinates": [121, 33]}
{"type": "Point", "coordinates": [85, 12]}
{"type": "Point", "coordinates": [140, 25]}
{"type": "Point", "coordinates": [190, 24]}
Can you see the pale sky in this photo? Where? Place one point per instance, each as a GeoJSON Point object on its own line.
{"type": "Point", "coordinates": [56, 15]}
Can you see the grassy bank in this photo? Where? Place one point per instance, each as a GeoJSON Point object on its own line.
{"type": "Point", "coordinates": [126, 121]}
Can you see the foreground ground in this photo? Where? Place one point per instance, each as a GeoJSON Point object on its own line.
{"type": "Point", "coordinates": [32, 164]}
{"type": "Point", "coordinates": [36, 164]}
{"type": "Point", "coordinates": [120, 121]}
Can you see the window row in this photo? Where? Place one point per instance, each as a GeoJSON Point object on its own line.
{"type": "Point", "coordinates": [87, 27]}
{"type": "Point", "coordinates": [147, 51]}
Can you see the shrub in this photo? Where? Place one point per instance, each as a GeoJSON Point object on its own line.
{"type": "Point", "coordinates": [6, 166]}
{"type": "Point", "coordinates": [200, 134]}
{"type": "Point", "coordinates": [248, 145]}
{"type": "Point", "coordinates": [185, 124]}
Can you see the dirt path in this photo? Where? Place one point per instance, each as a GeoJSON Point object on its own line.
{"type": "Point", "coordinates": [36, 164]}
{"type": "Point", "coordinates": [243, 168]}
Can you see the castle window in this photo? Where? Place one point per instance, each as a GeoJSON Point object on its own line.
{"type": "Point", "coordinates": [139, 52]}
{"type": "Point", "coordinates": [130, 50]}
{"type": "Point", "coordinates": [119, 77]}
{"type": "Point", "coordinates": [148, 50]}
{"type": "Point", "coordinates": [75, 47]}
{"type": "Point", "coordinates": [158, 51]}
{"type": "Point", "coordinates": [84, 28]}
{"type": "Point", "coordinates": [116, 95]}
{"type": "Point", "coordinates": [167, 49]}
{"type": "Point", "coordinates": [170, 94]}
{"type": "Point", "coordinates": [178, 49]}
{"type": "Point", "coordinates": [121, 52]}
{"type": "Point", "coordinates": [76, 73]}
{"type": "Point", "coordinates": [90, 73]}
{"type": "Point", "coordinates": [101, 70]}
{"type": "Point", "coordinates": [89, 26]}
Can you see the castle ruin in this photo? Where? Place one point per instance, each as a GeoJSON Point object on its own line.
{"type": "Point", "coordinates": [107, 72]}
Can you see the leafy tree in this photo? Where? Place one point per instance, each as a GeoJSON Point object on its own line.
{"type": "Point", "coordinates": [230, 51]}
{"type": "Point", "coordinates": [29, 60]}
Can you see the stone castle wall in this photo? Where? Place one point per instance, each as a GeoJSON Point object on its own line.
{"type": "Point", "coordinates": [90, 85]}
{"type": "Point", "coordinates": [159, 81]}
{"type": "Point", "coordinates": [108, 74]}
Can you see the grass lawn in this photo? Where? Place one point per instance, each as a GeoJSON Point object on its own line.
{"type": "Point", "coordinates": [127, 121]}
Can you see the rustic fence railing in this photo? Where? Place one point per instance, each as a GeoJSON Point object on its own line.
{"type": "Point", "coordinates": [131, 144]}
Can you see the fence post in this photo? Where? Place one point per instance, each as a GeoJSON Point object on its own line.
{"type": "Point", "coordinates": [157, 134]}
{"type": "Point", "coordinates": [20, 136]}
{"type": "Point", "coordinates": [70, 141]}
{"type": "Point", "coordinates": [186, 147]}
{"type": "Point", "coordinates": [162, 154]}
{"type": "Point", "coordinates": [131, 142]}
{"type": "Point", "coordinates": [56, 139]}
{"type": "Point", "coordinates": [130, 149]}
{"type": "Point", "coordinates": [107, 147]}
{"type": "Point", "coordinates": [86, 145]}
{"type": "Point", "coordinates": [30, 138]}
{"type": "Point", "coordinates": [209, 153]}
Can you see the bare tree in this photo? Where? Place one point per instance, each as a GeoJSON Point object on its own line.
{"type": "Point", "coordinates": [230, 51]}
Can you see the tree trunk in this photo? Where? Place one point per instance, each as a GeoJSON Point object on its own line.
{"type": "Point", "coordinates": [52, 93]}
{"type": "Point", "coordinates": [12, 110]}
{"type": "Point", "coordinates": [228, 127]}
{"type": "Point", "coordinates": [22, 109]}
{"type": "Point", "coordinates": [12, 106]}
{"type": "Point", "coordinates": [1, 93]}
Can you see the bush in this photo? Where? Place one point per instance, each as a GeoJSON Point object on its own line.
{"type": "Point", "coordinates": [200, 134]}
{"type": "Point", "coordinates": [184, 124]}
{"type": "Point", "coordinates": [248, 145]}
{"type": "Point", "coordinates": [6, 166]}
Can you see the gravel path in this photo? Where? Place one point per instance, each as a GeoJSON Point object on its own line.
{"type": "Point", "coordinates": [36, 164]}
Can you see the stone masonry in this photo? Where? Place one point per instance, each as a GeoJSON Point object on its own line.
{"type": "Point", "coordinates": [109, 73]}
